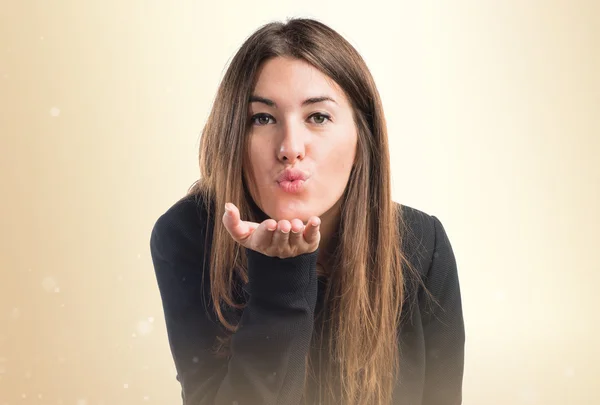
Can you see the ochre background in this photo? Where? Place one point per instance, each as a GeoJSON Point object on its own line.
{"type": "Point", "coordinates": [493, 110]}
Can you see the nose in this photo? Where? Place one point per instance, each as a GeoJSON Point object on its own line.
{"type": "Point", "coordinates": [292, 146]}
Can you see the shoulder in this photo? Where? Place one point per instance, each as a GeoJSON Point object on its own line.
{"type": "Point", "coordinates": [181, 228]}
{"type": "Point", "coordinates": [179, 251]}
{"type": "Point", "coordinates": [428, 250]}
{"type": "Point", "coordinates": [422, 235]}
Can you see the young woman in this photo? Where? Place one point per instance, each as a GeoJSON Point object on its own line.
{"type": "Point", "coordinates": [287, 274]}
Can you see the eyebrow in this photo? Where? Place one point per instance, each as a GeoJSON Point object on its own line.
{"type": "Point", "coordinates": [308, 101]}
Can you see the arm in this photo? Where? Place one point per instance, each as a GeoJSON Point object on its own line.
{"type": "Point", "coordinates": [267, 364]}
{"type": "Point", "coordinates": [443, 326]}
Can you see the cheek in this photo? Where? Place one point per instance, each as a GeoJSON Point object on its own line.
{"type": "Point", "coordinates": [255, 160]}
{"type": "Point", "coordinates": [337, 168]}
{"type": "Point", "coordinates": [259, 171]}
{"type": "Point", "coordinates": [346, 152]}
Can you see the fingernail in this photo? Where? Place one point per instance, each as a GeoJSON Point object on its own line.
{"type": "Point", "coordinates": [228, 209]}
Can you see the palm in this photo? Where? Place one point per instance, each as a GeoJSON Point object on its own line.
{"type": "Point", "coordinates": [272, 238]}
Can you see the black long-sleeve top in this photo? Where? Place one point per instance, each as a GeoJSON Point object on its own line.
{"type": "Point", "coordinates": [267, 365]}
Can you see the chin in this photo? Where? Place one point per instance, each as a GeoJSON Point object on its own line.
{"type": "Point", "coordinates": [290, 211]}
{"type": "Point", "coordinates": [289, 215]}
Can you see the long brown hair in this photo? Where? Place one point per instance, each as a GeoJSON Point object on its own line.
{"type": "Point", "coordinates": [366, 287]}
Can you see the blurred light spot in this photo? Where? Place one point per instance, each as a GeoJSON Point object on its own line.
{"type": "Point", "coordinates": [42, 37]}
{"type": "Point", "coordinates": [81, 402]}
{"type": "Point", "coordinates": [195, 359]}
{"type": "Point", "coordinates": [150, 319]}
{"type": "Point", "coordinates": [144, 327]}
{"type": "Point", "coordinates": [146, 397]}
{"type": "Point", "coordinates": [57, 290]}
{"type": "Point", "coordinates": [528, 396]}
{"type": "Point", "coordinates": [569, 372]}
{"type": "Point", "coordinates": [28, 375]}
{"type": "Point", "coordinates": [120, 277]}
{"type": "Point", "coordinates": [40, 396]}
{"type": "Point", "coordinates": [139, 256]}
{"type": "Point", "coordinates": [55, 111]}
{"type": "Point", "coordinates": [49, 284]}
{"type": "Point", "coordinates": [133, 335]}
{"type": "Point", "coordinates": [15, 313]}
{"type": "Point", "coordinates": [125, 385]}
{"type": "Point", "coordinates": [23, 396]}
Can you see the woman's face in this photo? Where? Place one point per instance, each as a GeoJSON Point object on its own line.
{"type": "Point", "coordinates": [300, 119]}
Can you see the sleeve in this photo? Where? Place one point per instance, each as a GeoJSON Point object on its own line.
{"type": "Point", "coordinates": [267, 362]}
{"type": "Point", "coordinates": [443, 326]}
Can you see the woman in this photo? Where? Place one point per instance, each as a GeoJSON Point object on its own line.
{"type": "Point", "coordinates": [287, 274]}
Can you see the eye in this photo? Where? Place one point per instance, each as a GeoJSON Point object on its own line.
{"type": "Point", "coordinates": [320, 119]}
{"type": "Point", "coordinates": [261, 119]}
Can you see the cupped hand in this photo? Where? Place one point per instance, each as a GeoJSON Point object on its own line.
{"type": "Point", "coordinates": [281, 239]}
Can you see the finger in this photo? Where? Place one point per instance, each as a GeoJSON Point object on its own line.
{"type": "Point", "coordinates": [238, 229]}
{"type": "Point", "coordinates": [263, 235]}
{"type": "Point", "coordinates": [296, 232]}
{"type": "Point", "coordinates": [282, 234]}
{"type": "Point", "coordinates": [252, 226]}
{"type": "Point", "coordinates": [311, 233]}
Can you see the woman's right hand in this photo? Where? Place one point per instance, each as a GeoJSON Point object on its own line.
{"type": "Point", "coordinates": [281, 239]}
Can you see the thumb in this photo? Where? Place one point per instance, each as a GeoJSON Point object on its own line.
{"type": "Point", "coordinates": [238, 229]}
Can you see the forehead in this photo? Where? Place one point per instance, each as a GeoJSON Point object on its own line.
{"type": "Point", "coordinates": [287, 79]}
